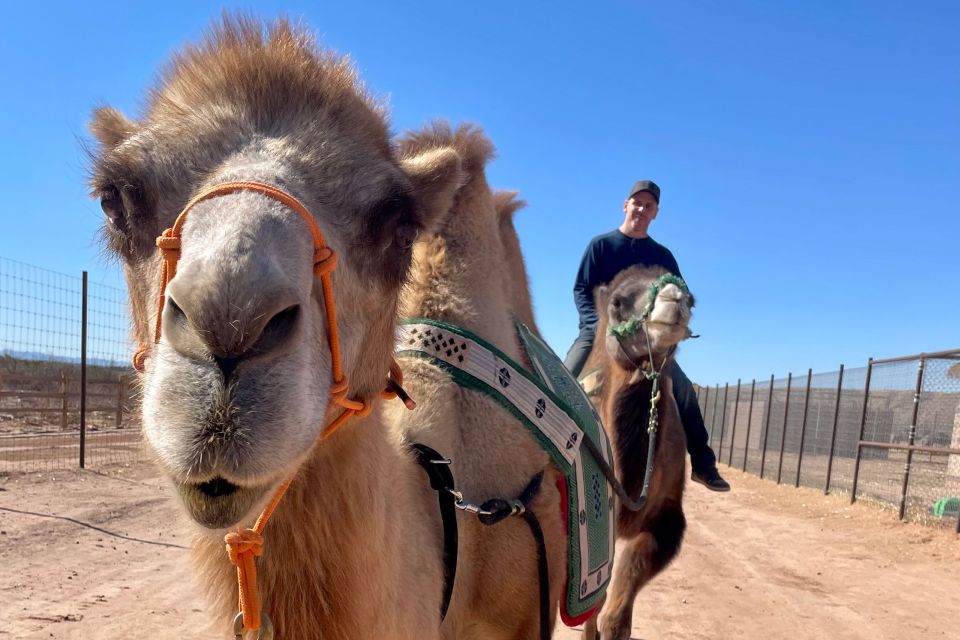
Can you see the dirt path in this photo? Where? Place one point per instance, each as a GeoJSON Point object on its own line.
{"type": "Point", "coordinates": [762, 562]}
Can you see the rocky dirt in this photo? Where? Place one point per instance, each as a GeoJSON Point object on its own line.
{"type": "Point", "coordinates": [102, 556]}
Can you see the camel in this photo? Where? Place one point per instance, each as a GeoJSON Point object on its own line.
{"type": "Point", "coordinates": [458, 277]}
{"type": "Point", "coordinates": [651, 536]}
{"type": "Point", "coordinates": [240, 378]}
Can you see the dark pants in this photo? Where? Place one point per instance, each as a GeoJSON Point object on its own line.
{"type": "Point", "coordinates": [702, 457]}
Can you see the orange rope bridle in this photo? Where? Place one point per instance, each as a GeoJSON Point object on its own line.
{"type": "Point", "coordinates": [244, 545]}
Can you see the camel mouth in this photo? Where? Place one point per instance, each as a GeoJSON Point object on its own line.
{"type": "Point", "coordinates": [216, 488]}
{"type": "Point", "coordinates": [219, 503]}
{"type": "Point", "coordinates": [667, 326]}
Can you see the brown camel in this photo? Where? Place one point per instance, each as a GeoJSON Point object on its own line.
{"type": "Point", "coordinates": [651, 536]}
{"type": "Point", "coordinates": [456, 278]}
{"type": "Point", "coordinates": [237, 387]}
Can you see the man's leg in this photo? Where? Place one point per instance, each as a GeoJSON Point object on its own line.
{"type": "Point", "coordinates": [702, 458]}
{"type": "Point", "coordinates": [580, 350]}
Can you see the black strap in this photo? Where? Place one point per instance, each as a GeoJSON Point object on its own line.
{"type": "Point", "coordinates": [441, 480]}
{"type": "Point", "coordinates": [496, 510]}
{"type": "Point", "coordinates": [543, 572]}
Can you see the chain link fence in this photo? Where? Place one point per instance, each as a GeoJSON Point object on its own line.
{"type": "Point", "coordinates": [888, 432]}
{"type": "Point", "coordinates": [67, 395]}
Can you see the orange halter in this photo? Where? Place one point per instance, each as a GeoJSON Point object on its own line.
{"type": "Point", "coordinates": [244, 545]}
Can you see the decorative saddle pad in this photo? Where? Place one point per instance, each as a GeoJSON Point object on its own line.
{"type": "Point", "coordinates": [552, 405]}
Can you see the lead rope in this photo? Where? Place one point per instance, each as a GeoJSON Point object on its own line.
{"type": "Point", "coordinates": [244, 545]}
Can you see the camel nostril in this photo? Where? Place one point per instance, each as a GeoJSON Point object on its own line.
{"type": "Point", "coordinates": [279, 329]}
{"type": "Point", "coordinates": [176, 313]}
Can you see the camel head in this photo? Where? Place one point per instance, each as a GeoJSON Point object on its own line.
{"type": "Point", "coordinates": [237, 388]}
{"type": "Point", "coordinates": [645, 311]}
{"type": "Point", "coordinates": [466, 233]}
{"type": "Point", "coordinates": [475, 150]}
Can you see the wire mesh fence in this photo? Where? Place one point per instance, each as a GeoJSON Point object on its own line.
{"type": "Point", "coordinates": [66, 392]}
{"type": "Point", "coordinates": [888, 432]}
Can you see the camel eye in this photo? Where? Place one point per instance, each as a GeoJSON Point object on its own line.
{"type": "Point", "coordinates": [617, 302]}
{"type": "Point", "coordinates": [112, 205]}
{"type": "Point", "coordinates": [406, 234]}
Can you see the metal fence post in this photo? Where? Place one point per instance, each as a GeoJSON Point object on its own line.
{"type": "Point", "coordinates": [713, 417]}
{"type": "Point", "coordinates": [733, 427]}
{"type": "Point", "coordinates": [83, 374]}
{"type": "Point", "coordinates": [746, 445]}
{"type": "Point", "coordinates": [783, 433]}
{"type": "Point", "coordinates": [863, 426]}
{"type": "Point", "coordinates": [766, 427]}
{"type": "Point", "coordinates": [723, 418]}
{"type": "Point", "coordinates": [833, 432]}
{"type": "Point", "coordinates": [911, 437]}
{"type": "Point", "coordinates": [63, 400]}
{"type": "Point", "coordinates": [803, 426]}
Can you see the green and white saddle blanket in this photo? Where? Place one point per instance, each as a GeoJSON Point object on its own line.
{"type": "Point", "coordinates": [552, 405]}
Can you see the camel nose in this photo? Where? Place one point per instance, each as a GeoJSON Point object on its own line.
{"type": "Point", "coordinates": [671, 305]}
{"type": "Point", "coordinates": [671, 293]}
{"type": "Point", "coordinates": [230, 319]}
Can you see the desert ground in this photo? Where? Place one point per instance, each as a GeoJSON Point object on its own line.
{"type": "Point", "coordinates": [102, 555]}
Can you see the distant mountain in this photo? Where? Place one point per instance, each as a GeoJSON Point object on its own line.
{"type": "Point", "coordinates": [46, 357]}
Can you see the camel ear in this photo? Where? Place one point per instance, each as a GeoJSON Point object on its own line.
{"type": "Point", "coordinates": [600, 297]}
{"type": "Point", "coordinates": [507, 203]}
{"type": "Point", "coordinates": [110, 127]}
{"type": "Point", "coordinates": [436, 175]}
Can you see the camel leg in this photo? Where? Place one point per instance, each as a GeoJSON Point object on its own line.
{"type": "Point", "coordinates": [590, 626]}
{"type": "Point", "coordinates": [631, 572]}
{"type": "Point", "coordinates": [640, 560]}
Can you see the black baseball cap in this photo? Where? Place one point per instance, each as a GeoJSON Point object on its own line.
{"type": "Point", "coordinates": [645, 185]}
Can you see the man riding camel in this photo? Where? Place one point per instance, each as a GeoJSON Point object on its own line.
{"type": "Point", "coordinates": [605, 257]}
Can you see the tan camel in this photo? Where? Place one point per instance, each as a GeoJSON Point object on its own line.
{"type": "Point", "coordinates": [652, 535]}
{"type": "Point", "coordinates": [458, 277]}
{"type": "Point", "coordinates": [236, 390]}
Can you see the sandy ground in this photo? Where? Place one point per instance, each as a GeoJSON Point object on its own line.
{"type": "Point", "coordinates": [99, 556]}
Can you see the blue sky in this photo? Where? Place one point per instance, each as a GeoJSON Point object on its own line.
{"type": "Point", "coordinates": [807, 151]}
